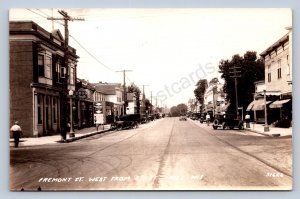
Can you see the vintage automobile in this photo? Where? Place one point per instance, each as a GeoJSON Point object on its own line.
{"type": "Point", "coordinates": [195, 116]}
{"type": "Point", "coordinates": [202, 118]}
{"type": "Point", "coordinates": [227, 121]}
{"type": "Point", "coordinates": [126, 122]}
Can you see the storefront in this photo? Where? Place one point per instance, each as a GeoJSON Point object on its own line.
{"type": "Point", "coordinates": [104, 112]}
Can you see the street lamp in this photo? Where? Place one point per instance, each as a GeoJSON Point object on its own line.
{"type": "Point", "coordinates": [266, 127]}
{"type": "Point", "coordinates": [71, 133]}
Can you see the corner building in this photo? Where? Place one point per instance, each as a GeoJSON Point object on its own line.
{"type": "Point", "coordinates": [39, 78]}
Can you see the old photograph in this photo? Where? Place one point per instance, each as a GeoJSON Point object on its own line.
{"type": "Point", "coordinates": [150, 99]}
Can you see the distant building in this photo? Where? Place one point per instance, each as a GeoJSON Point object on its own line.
{"type": "Point", "coordinates": [132, 106]}
{"type": "Point", "coordinates": [39, 78]}
{"type": "Point", "coordinates": [112, 104]}
{"type": "Point", "coordinates": [214, 97]}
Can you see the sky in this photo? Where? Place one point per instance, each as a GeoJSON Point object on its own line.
{"type": "Point", "coordinates": [167, 50]}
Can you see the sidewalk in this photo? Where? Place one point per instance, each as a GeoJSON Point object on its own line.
{"type": "Point", "coordinates": [79, 134]}
{"type": "Point", "coordinates": [273, 131]}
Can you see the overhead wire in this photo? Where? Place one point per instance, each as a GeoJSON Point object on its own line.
{"type": "Point", "coordinates": [88, 52]}
{"type": "Point", "coordinates": [45, 15]}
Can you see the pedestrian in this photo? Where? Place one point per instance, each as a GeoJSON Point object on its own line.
{"type": "Point", "coordinates": [17, 133]}
{"type": "Point", "coordinates": [97, 123]}
{"type": "Point", "coordinates": [207, 119]}
{"type": "Point", "coordinates": [247, 118]}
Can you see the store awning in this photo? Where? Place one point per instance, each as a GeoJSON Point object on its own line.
{"type": "Point", "coordinates": [251, 105]}
{"type": "Point", "coordinates": [257, 105]}
{"type": "Point", "coordinates": [279, 103]}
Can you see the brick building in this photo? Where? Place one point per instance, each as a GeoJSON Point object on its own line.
{"type": "Point", "coordinates": [39, 78]}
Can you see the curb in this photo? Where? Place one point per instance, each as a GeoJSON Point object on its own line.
{"type": "Point", "coordinates": [265, 134]}
{"type": "Point", "coordinates": [86, 135]}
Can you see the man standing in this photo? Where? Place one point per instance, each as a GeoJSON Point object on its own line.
{"type": "Point", "coordinates": [17, 132]}
{"type": "Point", "coordinates": [247, 118]}
{"type": "Point", "coordinates": [207, 119]}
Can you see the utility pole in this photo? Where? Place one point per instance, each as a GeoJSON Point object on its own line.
{"type": "Point", "coordinates": [65, 91]}
{"type": "Point", "coordinates": [235, 72]}
{"type": "Point", "coordinates": [124, 89]}
{"type": "Point", "coordinates": [143, 109]}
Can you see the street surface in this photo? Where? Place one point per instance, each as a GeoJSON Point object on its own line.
{"type": "Point", "coordinates": [166, 154]}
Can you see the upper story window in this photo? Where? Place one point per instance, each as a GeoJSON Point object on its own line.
{"type": "Point", "coordinates": [45, 64]}
{"type": "Point", "coordinates": [279, 69]}
{"type": "Point", "coordinates": [41, 65]}
{"type": "Point", "coordinates": [269, 73]}
{"type": "Point", "coordinates": [58, 72]}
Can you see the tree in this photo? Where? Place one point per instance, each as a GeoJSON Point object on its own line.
{"type": "Point", "coordinates": [200, 90]}
{"type": "Point", "coordinates": [174, 111]}
{"type": "Point", "coordinates": [252, 70]}
{"type": "Point", "coordinates": [136, 90]}
{"type": "Point", "coordinates": [182, 108]}
{"type": "Point", "coordinates": [148, 105]}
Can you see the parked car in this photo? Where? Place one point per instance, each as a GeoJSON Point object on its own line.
{"type": "Point", "coordinates": [202, 118]}
{"type": "Point", "coordinates": [227, 122]}
{"type": "Point", "coordinates": [195, 116]}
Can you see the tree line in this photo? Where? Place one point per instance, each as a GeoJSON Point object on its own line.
{"type": "Point", "coordinates": [251, 70]}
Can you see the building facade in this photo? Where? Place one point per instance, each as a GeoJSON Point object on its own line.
{"type": "Point", "coordinates": [277, 86]}
{"type": "Point", "coordinates": [214, 97]}
{"type": "Point", "coordinates": [278, 65]}
{"type": "Point", "coordinates": [111, 100]}
{"type": "Point", "coordinates": [39, 78]}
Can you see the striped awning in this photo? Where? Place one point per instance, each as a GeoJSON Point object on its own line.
{"type": "Point", "coordinates": [279, 103]}
{"type": "Point", "coordinates": [257, 105]}
{"type": "Point", "coordinates": [250, 105]}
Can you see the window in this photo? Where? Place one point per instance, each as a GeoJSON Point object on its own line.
{"type": "Point", "coordinates": [41, 64]}
{"type": "Point", "coordinates": [269, 73]}
{"type": "Point", "coordinates": [63, 72]}
{"type": "Point", "coordinates": [279, 69]}
{"type": "Point", "coordinates": [48, 66]}
{"type": "Point", "coordinates": [45, 64]}
{"type": "Point", "coordinates": [288, 65]}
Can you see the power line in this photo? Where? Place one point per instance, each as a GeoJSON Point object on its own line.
{"type": "Point", "coordinates": [43, 12]}
{"type": "Point", "coordinates": [88, 52]}
{"type": "Point", "coordinates": [128, 79]}
{"type": "Point", "coordinates": [47, 16]}
{"type": "Point", "coordinates": [36, 13]}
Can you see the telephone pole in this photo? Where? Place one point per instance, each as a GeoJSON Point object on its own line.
{"type": "Point", "coordinates": [144, 108]}
{"type": "Point", "coordinates": [124, 89]}
{"type": "Point", "coordinates": [235, 72]}
{"type": "Point", "coordinates": [65, 91]}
